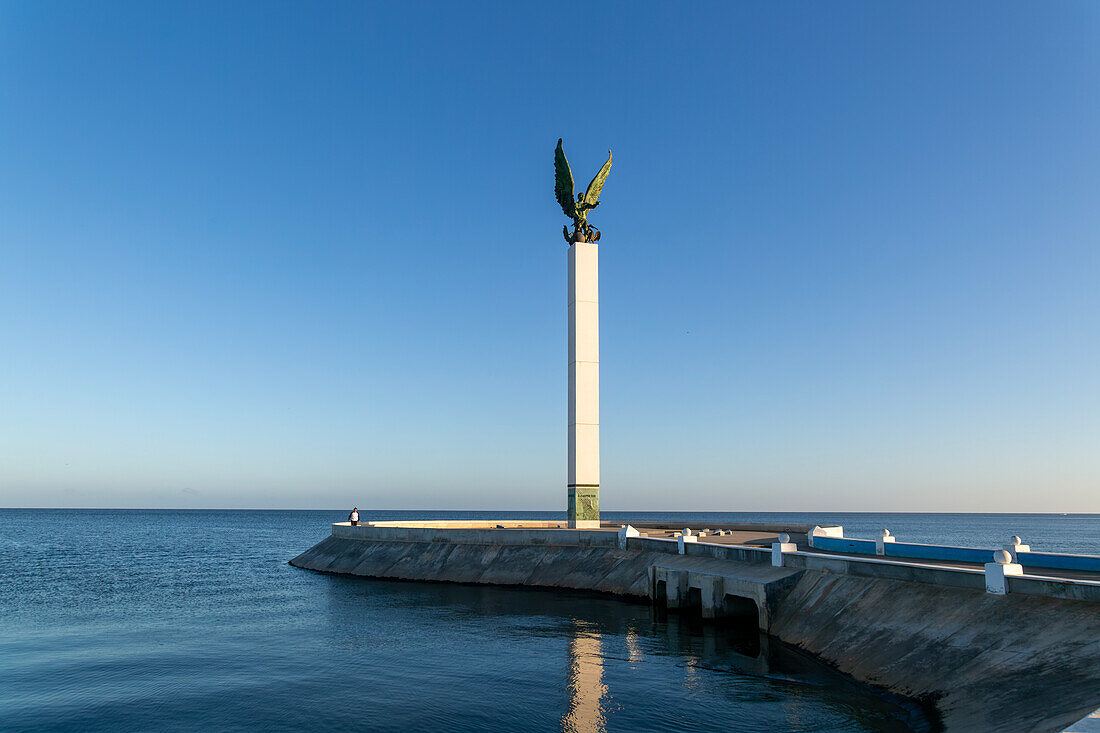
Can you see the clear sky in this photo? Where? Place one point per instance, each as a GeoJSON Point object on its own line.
{"type": "Point", "coordinates": [307, 254]}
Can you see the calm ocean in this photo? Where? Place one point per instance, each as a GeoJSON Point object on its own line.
{"type": "Point", "coordinates": [120, 620]}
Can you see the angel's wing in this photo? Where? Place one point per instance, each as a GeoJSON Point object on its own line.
{"type": "Point", "coordinates": [592, 195]}
{"type": "Point", "coordinates": [563, 182]}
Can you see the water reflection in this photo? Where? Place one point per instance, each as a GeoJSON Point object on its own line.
{"type": "Point", "coordinates": [585, 684]}
{"type": "Point", "coordinates": [578, 662]}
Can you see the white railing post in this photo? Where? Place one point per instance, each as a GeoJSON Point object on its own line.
{"type": "Point", "coordinates": [1014, 546]}
{"type": "Point", "coordinates": [997, 571]}
{"type": "Point", "coordinates": [782, 547]}
{"type": "Point", "coordinates": [880, 542]}
{"type": "Point", "coordinates": [685, 536]}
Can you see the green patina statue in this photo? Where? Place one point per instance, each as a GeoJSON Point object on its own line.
{"type": "Point", "coordinates": [590, 199]}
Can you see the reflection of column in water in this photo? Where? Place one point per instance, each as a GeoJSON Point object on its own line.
{"type": "Point", "coordinates": [633, 649]}
{"type": "Point", "coordinates": [796, 710]}
{"type": "Point", "coordinates": [586, 688]}
{"type": "Point", "coordinates": [710, 643]}
{"type": "Point", "coordinates": [692, 680]}
{"type": "Point", "coordinates": [682, 639]}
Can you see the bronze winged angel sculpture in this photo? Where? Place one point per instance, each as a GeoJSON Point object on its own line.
{"type": "Point", "coordinates": [590, 199]}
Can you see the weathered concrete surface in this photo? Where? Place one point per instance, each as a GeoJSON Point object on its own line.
{"type": "Point", "coordinates": [1019, 662]}
{"type": "Point", "coordinates": [603, 569]}
{"type": "Point", "coordinates": [716, 579]}
{"type": "Point", "coordinates": [987, 663]}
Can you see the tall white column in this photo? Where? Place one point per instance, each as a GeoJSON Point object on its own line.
{"type": "Point", "coordinates": [584, 386]}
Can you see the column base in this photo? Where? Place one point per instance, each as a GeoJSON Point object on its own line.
{"type": "Point", "coordinates": [583, 507]}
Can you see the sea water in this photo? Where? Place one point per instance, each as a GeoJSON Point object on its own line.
{"type": "Point", "coordinates": [118, 620]}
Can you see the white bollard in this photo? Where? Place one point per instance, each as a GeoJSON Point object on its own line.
{"type": "Point", "coordinates": [682, 538]}
{"type": "Point", "coordinates": [779, 548]}
{"type": "Point", "coordinates": [996, 571]}
{"type": "Point", "coordinates": [1016, 545]}
{"type": "Point", "coordinates": [881, 541]}
{"type": "Point", "coordinates": [627, 531]}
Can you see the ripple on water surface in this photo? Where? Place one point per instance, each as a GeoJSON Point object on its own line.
{"type": "Point", "coordinates": [158, 621]}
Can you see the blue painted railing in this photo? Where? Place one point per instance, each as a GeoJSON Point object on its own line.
{"type": "Point", "coordinates": [1059, 562]}
{"type": "Point", "coordinates": [946, 553]}
{"type": "Point", "coordinates": [938, 552]}
{"type": "Point", "coordinates": [843, 544]}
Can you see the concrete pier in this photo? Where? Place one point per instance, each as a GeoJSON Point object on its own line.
{"type": "Point", "coordinates": [1022, 660]}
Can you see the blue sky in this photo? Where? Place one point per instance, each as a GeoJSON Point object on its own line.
{"type": "Point", "coordinates": [307, 254]}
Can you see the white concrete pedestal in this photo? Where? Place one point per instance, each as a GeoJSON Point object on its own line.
{"type": "Point", "coordinates": [997, 572]}
{"type": "Point", "coordinates": [882, 540]}
{"type": "Point", "coordinates": [781, 548]}
{"type": "Point", "coordinates": [1015, 546]}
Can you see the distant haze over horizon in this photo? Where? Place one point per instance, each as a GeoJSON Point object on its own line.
{"type": "Point", "coordinates": [261, 255]}
{"type": "Point", "coordinates": [615, 513]}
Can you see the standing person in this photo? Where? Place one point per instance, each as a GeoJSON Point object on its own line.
{"type": "Point", "coordinates": [354, 516]}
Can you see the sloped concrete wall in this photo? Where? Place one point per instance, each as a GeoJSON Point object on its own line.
{"type": "Point", "coordinates": [604, 569]}
{"type": "Point", "coordinates": [987, 663]}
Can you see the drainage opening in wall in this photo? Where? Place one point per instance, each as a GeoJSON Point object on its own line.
{"type": "Point", "coordinates": [660, 594]}
{"type": "Point", "coordinates": [740, 617]}
{"type": "Point", "coordinates": [738, 608]}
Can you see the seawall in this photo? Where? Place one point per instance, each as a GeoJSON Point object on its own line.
{"type": "Point", "coordinates": [1025, 661]}
{"type": "Point", "coordinates": [604, 569]}
{"type": "Point", "coordinates": [985, 662]}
